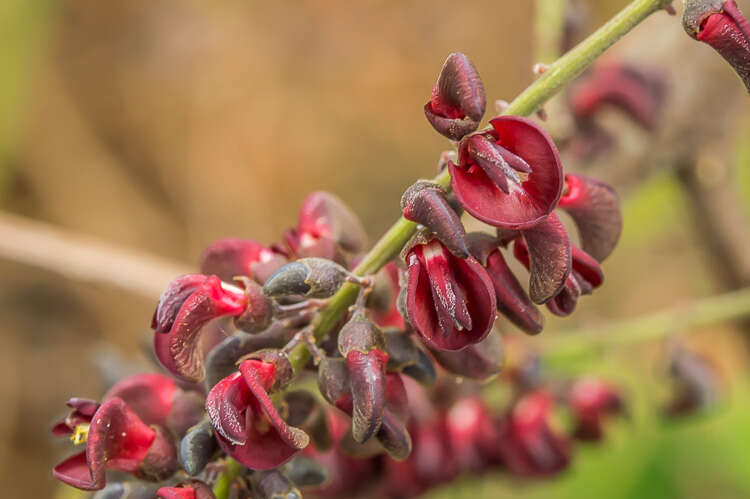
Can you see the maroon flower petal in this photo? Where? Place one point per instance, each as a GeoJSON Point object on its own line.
{"type": "Point", "coordinates": [527, 201]}
{"type": "Point", "coordinates": [585, 276]}
{"type": "Point", "coordinates": [225, 405]}
{"type": "Point", "coordinates": [178, 349]}
{"type": "Point", "coordinates": [172, 300]}
{"type": "Point", "coordinates": [232, 257]}
{"type": "Point", "coordinates": [75, 472]}
{"type": "Point", "coordinates": [512, 300]}
{"type": "Point", "coordinates": [149, 395]}
{"type": "Point", "coordinates": [595, 208]}
{"type": "Point", "coordinates": [545, 251]}
{"type": "Point", "coordinates": [450, 301]}
{"type": "Point", "coordinates": [325, 216]}
{"type": "Point", "coordinates": [480, 362]}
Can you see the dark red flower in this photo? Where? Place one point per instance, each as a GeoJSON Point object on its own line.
{"type": "Point", "coordinates": [457, 103]}
{"type": "Point", "coordinates": [325, 227]}
{"type": "Point", "coordinates": [157, 400]}
{"type": "Point", "coordinates": [83, 410]}
{"type": "Point", "coordinates": [188, 304]}
{"type": "Point", "coordinates": [450, 301]}
{"type": "Point", "coordinates": [638, 92]}
{"type": "Point", "coordinates": [595, 208]}
{"type": "Point", "coordinates": [232, 257]}
{"type": "Point", "coordinates": [512, 300]}
{"type": "Point", "coordinates": [469, 429]}
{"type": "Point", "coordinates": [528, 444]}
{"type": "Point", "coordinates": [193, 489]}
{"type": "Point", "coordinates": [249, 427]}
{"type": "Point", "coordinates": [116, 439]}
{"type": "Point", "coordinates": [721, 25]}
{"type": "Point", "coordinates": [509, 177]}
{"type": "Point", "coordinates": [591, 400]}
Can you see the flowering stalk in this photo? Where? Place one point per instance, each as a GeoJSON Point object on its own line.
{"type": "Point", "coordinates": [530, 100]}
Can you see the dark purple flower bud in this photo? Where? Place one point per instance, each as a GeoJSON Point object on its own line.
{"type": "Point", "coordinates": [450, 301]}
{"type": "Point", "coordinates": [127, 490]}
{"type": "Point", "coordinates": [595, 208]}
{"type": "Point", "coordinates": [232, 257]}
{"type": "Point", "coordinates": [479, 362]}
{"type": "Point", "coordinates": [510, 177]}
{"type": "Point", "coordinates": [545, 251]}
{"type": "Point", "coordinates": [591, 400]}
{"type": "Point", "coordinates": [585, 276]}
{"type": "Point", "coordinates": [197, 448]}
{"type": "Point", "coordinates": [273, 484]}
{"type": "Point", "coordinates": [512, 300]}
{"type": "Point", "coordinates": [425, 203]}
{"type": "Point", "coordinates": [527, 443]}
{"type": "Point", "coordinates": [457, 102]}
{"type": "Point", "coordinates": [249, 427]}
{"type": "Point", "coordinates": [423, 371]}
{"type": "Point", "coordinates": [117, 439]}
{"type": "Point", "coordinates": [306, 472]}
{"type": "Point", "coordinates": [638, 92]}
{"type": "Point", "coordinates": [697, 385]}
{"type": "Point", "coordinates": [308, 277]}
{"type": "Point", "coordinates": [362, 344]}
{"type": "Point", "coordinates": [720, 24]}
{"type": "Point", "coordinates": [188, 304]}
{"type": "Point", "coordinates": [193, 489]}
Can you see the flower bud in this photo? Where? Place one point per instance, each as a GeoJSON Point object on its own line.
{"type": "Point", "coordinates": [425, 203]}
{"type": "Point", "coordinates": [308, 277]}
{"type": "Point", "coordinates": [458, 102]}
{"type": "Point", "coordinates": [306, 472]}
{"type": "Point", "coordinates": [197, 448]}
{"type": "Point", "coordinates": [259, 311]}
{"type": "Point", "coordinates": [362, 344]}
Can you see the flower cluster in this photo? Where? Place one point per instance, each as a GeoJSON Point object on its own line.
{"type": "Point", "coordinates": [237, 338]}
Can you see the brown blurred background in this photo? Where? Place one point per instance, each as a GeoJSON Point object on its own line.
{"type": "Point", "coordinates": [160, 126]}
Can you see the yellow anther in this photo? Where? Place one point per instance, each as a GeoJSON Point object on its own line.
{"type": "Point", "coordinates": [81, 434]}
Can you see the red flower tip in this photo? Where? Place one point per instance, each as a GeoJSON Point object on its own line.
{"type": "Point", "coordinates": [117, 439]}
{"type": "Point", "coordinates": [450, 301]}
{"type": "Point", "coordinates": [638, 92]}
{"type": "Point", "coordinates": [187, 305]}
{"type": "Point", "coordinates": [591, 401]}
{"type": "Point", "coordinates": [457, 103]}
{"type": "Point", "coordinates": [325, 216]}
{"type": "Point", "coordinates": [232, 257]}
{"type": "Point", "coordinates": [721, 25]}
{"type": "Point", "coordinates": [193, 489]}
{"type": "Point", "coordinates": [585, 276]}
{"type": "Point", "coordinates": [546, 251]}
{"type": "Point", "coordinates": [595, 209]}
{"type": "Point", "coordinates": [510, 177]}
{"type": "Point", "coordinates": [528, 444]}
{"type": "Point", "coordinates": [249, 427]}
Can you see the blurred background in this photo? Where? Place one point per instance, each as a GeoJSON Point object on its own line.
{"type": "Point", "coordinates": [157, 127]}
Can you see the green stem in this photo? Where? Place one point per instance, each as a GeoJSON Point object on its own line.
{"type": "Point", "coordinates": [684, 318]}
{"type": "Point", "coordinates": [224, 482]}
{"type": "Point", "coordinates": [561, 72]}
